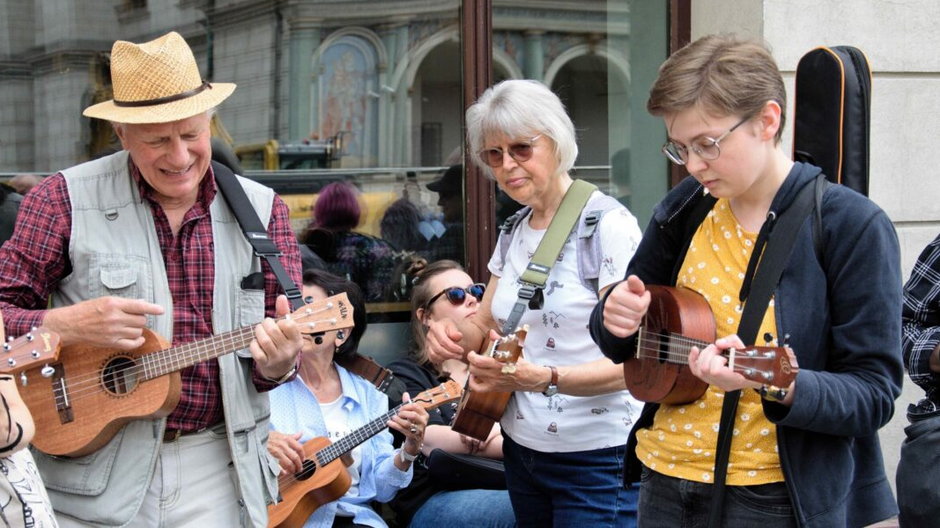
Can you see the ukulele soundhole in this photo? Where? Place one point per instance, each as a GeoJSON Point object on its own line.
{"type": "Point", "coordinates": [309, 468]}
{"type": "Point", "coordinates": [119, 375]}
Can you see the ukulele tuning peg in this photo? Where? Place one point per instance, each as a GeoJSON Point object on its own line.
{"type": "Point", "coordinates": [786, 340]}
{"type": "Point", "coordinates": [47, 371]}
{"type": "Point", "coordinates": [23, 380]}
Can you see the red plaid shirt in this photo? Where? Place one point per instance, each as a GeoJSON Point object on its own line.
{"type": "Point", "coordinates": [34, 261]}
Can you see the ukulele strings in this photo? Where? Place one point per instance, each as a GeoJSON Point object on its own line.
{"type": "Point", "coordinates": [90, 384]}
{"type": "Point", "coordinates": [355, 438]}
{"type": "Point", "coordinates": [425, 399]}
{"type": "Point", "coordinates": [678, 348]}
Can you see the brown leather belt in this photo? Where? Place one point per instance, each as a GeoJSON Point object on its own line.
{"type": "Point", "coordinates": [172, 435]}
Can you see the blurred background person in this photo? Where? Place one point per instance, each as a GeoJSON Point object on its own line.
{"type": "Point", "coordinates": [10, 201]}
{"type": "Point", "coordinates": [366, 260]}
{"type": "Point", "coordinates": [23, 182]}
{"type": "Point", "coordinates": [449, 188]}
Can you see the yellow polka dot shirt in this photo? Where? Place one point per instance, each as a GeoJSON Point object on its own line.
{"type": "Point", "coordinates": [681, 442]}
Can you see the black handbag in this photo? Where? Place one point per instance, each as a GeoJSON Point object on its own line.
{"type": "Point", "coordinates": [450, 471]}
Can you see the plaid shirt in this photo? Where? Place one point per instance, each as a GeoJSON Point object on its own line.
{"type": "Point", "coordinates": [34, 261]}
{"type": "Point", "coordinates": [921, 326]}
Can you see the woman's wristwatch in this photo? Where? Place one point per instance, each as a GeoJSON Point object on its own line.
{"type": "Point", "coordinates": [552, 388]}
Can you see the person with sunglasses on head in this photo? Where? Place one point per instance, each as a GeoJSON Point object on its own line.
{"type": "Point", "coordinates": [444, 290]}
{"type": "Point", "coordinates": [564, 426]}
{"type": "Point", "coordinates": [805, 454]}
{"type": "Point", "coordinates": [326, 400]}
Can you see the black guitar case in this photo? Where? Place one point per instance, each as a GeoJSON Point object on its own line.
{"type": "Point", "coordinates": [833, 114]}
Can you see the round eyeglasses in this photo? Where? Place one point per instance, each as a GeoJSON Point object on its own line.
{"type": "Point", "coordinates": [704, 147]}
{"type": "Point", "coordinates": [520, 152]}
{"type": "Point", "coordinates": [457, 295]}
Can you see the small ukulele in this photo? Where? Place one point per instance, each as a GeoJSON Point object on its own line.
{"type": "Point", "coordinates": [478, 411]}
{"type": "Point", "coordinates": [324, 478]}
{"type": "Point", "coordinates": [80, 401]}
{"type": "Point", "coordinates": [677, 320]}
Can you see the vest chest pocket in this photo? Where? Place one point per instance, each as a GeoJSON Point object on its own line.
{"type": "Point", "coordinates": [119, 276]}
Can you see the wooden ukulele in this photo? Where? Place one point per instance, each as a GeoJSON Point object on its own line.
{"type": "Point", "coordinates": [39, 345]}
{"type": "Point", "coordinates": [478, 411]}
{"type": "Point", "coordinates": [81, 401]}
{"type": "Point", "coordinates": [324, 477]}
{"type": "Point", "coordinates": [677, 320]}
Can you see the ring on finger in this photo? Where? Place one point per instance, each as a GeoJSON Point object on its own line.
{"type": "Point", "coordinates": [414, 429]}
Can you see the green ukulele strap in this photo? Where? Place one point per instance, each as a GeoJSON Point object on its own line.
{"type": "Point", "coordinates": [535, 276]}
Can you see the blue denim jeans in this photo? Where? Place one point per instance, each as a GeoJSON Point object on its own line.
{"type": "Point", "coordinates": [670, 502]}
{"type": "Point", "coordinates": [476, 507]}
{"type": "Point", "coordinates": [576, 489]}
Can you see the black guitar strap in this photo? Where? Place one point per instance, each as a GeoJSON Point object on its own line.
{"type": "Point", "coordinates": [264, 248]}
{"type": "Point", "coordinates": [780, 234]}
{"type": "Point", "coordinates": [256, 233]}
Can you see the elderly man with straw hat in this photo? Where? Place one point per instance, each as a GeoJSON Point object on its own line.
{"type": "Point", "coordinates": [144, 238]}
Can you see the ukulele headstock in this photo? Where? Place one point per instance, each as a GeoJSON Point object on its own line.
{"type": "Point", "coordinates": [36, 346]}
{"type": "Point", "coordinates": [333, 313]}
{"type": "Point", "coordinates": [764, 364]}
{"type": "Point", "coordinates": [508, 348]}
{"type": "Point", "coordinates": [448, 391]}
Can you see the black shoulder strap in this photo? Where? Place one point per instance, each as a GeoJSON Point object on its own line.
{"type": "Point", "coordinates": [782, 234]}
{"type": "Point", "coordinates": [257, 234]}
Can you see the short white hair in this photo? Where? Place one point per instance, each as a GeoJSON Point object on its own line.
{"type": "Point", "coordinates": [521, 108]}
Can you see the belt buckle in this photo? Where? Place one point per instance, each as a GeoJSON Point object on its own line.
{"type": "Point", "coordinates": [172, 435]}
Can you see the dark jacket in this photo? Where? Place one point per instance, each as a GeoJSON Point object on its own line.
{"type": "Point", "coordinates": [842, 311]}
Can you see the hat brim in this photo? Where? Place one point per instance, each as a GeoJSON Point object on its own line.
{"type": "Point", "coordinates": [162, 113]}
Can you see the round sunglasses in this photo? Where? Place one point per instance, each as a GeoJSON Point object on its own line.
{"type": "Point", "coordinates": [520, 152]}
{"type": "Point", "coordinates": [457, 295]}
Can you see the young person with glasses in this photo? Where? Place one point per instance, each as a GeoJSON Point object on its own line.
{"type": "Point", "coordinates": [564, 427]}
{"type": "Point", "coordinates": [444, 290]}
{"type": "Point", "coordinates": [807, 455]}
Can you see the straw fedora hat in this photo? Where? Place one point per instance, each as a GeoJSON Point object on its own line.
{"type": "Point", "coordinates": [157, 82]}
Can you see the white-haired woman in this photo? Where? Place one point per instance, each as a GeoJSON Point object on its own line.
{"type": "Point", "coordinates": [564, 427]}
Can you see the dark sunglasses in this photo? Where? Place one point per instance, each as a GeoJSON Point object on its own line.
{"type": "Point", "coordinates": [457, 295]}
{"type": "Point", "coordinates": [520, 152]}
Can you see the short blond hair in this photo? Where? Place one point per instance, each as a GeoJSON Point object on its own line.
{"type": "Point", "coordinates": [722, 74]}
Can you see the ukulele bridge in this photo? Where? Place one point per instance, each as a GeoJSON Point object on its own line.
{"type": "Point", "coordinates": [60, 393]}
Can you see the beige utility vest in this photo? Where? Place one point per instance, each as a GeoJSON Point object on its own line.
{"type": "Point", "coordinates": [114, 250]}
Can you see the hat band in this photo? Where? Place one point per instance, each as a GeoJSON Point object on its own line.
{"type": "Point", "coordinates": [167, 99]}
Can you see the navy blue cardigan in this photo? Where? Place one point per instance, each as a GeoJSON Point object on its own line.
{"type": "Point", "coordinates": [842, 310]}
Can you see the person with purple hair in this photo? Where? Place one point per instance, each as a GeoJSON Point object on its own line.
{"type": "Point", "coordinates": [366, 260]}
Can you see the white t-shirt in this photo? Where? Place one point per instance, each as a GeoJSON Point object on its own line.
{"type": "Point", "coordinates": [558, 335]}
{"type": "Point", "coordinates": [336, 419]}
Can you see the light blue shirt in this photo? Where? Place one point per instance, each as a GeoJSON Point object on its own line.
{"type": "Point", "coordinates": [294, 409]}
